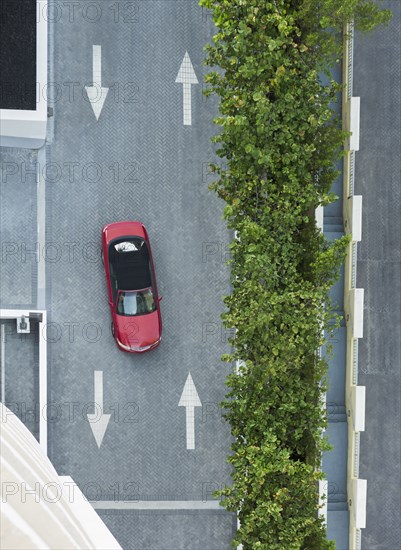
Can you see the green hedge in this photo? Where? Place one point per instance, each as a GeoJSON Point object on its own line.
{"type": "Point", "coordinates": [281, 139]}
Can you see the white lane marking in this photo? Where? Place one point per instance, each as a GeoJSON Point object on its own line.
{"type": "Point", "coordinates": [98, 421]}
{"type": "Point", "coordinates": [3, 363]}
{"type": "Point", "coordinates": [96, 94]}
{"type": "Point", "coordinates": [186, 76]}
{"type": "Point", "coordinates": [157, 505]}
{"type": "Point", "coordinates": [41, 228]}
{"type": "Point", "coordinates": [97, 65]}
{"type": "Point", "coordinates": [43, 382]}
{"type": "Point", "coordinates": [190, 400]}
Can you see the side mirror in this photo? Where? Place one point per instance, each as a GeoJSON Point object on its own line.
{"type": "Point", "coordinates": [160, 298]}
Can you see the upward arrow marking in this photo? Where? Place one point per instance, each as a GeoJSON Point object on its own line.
{"type": "Point", "coordinates": [190, 400]}
{"type": "Point", "coordinates": [96, 94]}
{"type": "Point", "coordinates": [186, 76]}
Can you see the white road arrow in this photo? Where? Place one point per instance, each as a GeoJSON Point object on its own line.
{"type": "Point", "coordinates": [186, 76]}
{"type": "Point", "coordinates": [97, 94]}
{"type": "Point", "coordinates": [98, 421]}
{"type": "Point", "coordinates": [190, 400]}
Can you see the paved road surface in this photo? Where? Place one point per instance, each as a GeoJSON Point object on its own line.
{"type": "Point", "coordinates": [138, 162]}
{"type": "Point", "coordinates": [377, 80]}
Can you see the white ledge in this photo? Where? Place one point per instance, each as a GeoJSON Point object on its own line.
{"type": "Point", "coordinates": [355, 311]}
{"type": "Point", "coordinates": [358, 397]}
{"type": "Point", "coordinates": [353, 223]}
{"type": "Point", "coordinates": [354, 114]}
{"type": "Point", "coordinates": [358, 502]}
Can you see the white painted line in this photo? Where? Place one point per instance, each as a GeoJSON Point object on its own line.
{"type": "Point", "coordinates": [50, 74]}
{"type": "Point", "coordinates": [99, 388]}
{"type": "Point", "coordinates": [157, 505]}
{"type": "Point", "coordinates": [186, 76]}
{"type": "Point", "coordinates": [190, 400]}
{"type": "Point", "coordinates": [43, 383]}
{"type": "Point", "coordinates": [96, 94]}
{"type": "Point", "coordinates": [98, 421]}
{"type": "Point", "coordinates": [41, 228]}
{"type": "Point", "coordinates": [14, 313]}
{"type": "Point", "coordinates": [3, 363]}
{"type": "Point", "coordinates": [97, 65]}
{"type": "Point", "coordinates": [190, 427]}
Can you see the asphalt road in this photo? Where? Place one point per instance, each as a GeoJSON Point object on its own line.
{"type": "Point", "coordinates": [377, 80]}
{"type": "Point", "coordinates": [137, 162]}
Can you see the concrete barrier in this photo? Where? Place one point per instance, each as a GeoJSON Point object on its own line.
{"type": "Point", "coordinates": [353, 300]}
{"type": "Point", "coordinates": [357, 407]}
{"type": "Point", "coordinates": [358, 503]}
{"type": "Point", "coordinates": [353, 217]}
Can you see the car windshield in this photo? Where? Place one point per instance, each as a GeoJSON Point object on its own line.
{"type": "Point", "coordinates": [139, 302]}
{"type": "Point", "coordinates": [129, 246]}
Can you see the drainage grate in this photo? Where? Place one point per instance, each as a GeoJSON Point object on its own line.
{"type": "Point", "coordinates": [350, 59]}
{"type": "Point", "coordinates": [356, 454]}
{"type": "Point", "coordinates": [354, 260]}
{"type": "Point", "coordinates": [355, 361]}
{"type": "Point", "coordinates": [351, 173]}
{"type": "Point", "coordinates": [358, 540]}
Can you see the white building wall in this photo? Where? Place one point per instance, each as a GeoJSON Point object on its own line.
{"type": "Point", "coordinates": [39, 509]}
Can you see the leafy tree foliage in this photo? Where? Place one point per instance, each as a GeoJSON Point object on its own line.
{"type": "Point", "coordinates": [281, 140]}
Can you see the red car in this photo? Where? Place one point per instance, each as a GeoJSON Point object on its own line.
{"type": "Point", "coordinates": [131, 284]}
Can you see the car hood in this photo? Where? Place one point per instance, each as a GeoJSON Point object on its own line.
{"type": "Point", "coordinates": [138, 331]}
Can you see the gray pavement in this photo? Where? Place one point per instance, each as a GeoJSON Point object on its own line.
{"type": "Point", "coordinates": [19, 251]}
{"type": "Point", "coordinates": [21, 373]}
{"type": "Point", "coordinates": [138, 162]}
{"type": "Point", "coordinates": [377, 80]}
{"type": "Point", "coordinates": [170, 531]}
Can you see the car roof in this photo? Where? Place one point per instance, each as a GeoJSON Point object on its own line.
{"type": "Point", "coordinates": [131, 268]}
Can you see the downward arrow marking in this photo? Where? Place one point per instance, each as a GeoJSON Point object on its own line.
{"type": "Point", "coordinates": [96, 94]}
{"type": "Point", "coordinates": [98, 421]}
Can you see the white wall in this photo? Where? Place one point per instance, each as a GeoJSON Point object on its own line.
{"type": "Point", "coordinates": [28, 129]}
{"type": "Point", "coordinates": [39, 509]}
